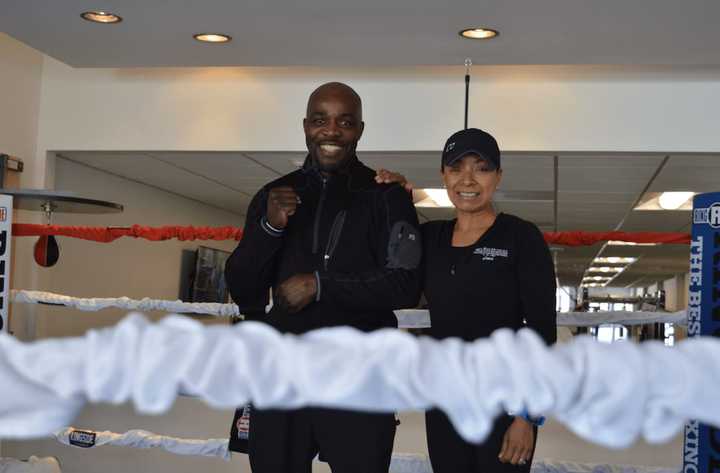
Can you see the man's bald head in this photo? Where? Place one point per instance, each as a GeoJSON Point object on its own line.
{"type": "Point", "coordinates": [336, 90]}
{"type": "Point", "coordinates": [333, 125]}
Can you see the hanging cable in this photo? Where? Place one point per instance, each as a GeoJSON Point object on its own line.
{"type": "Point", "coordinates": [468, 63]}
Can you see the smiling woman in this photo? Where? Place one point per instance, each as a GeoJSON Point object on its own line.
{"type": "Point", "coordinates": [483, 271]}
{"type": "Point", "coordinates": [471, 173]}
{"type": "Point", "coordinates": [489, 264]}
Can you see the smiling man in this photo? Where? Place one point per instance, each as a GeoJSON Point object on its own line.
{"type": "Point", "coordinates": [337, 249]}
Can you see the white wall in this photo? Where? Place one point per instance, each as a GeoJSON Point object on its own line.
{"type": "Point", "coordinates": [20, 79]}
{"type": "Point", "coordinates": [20, 84]}
{"type": "Point", "coordinates": [405, 109]}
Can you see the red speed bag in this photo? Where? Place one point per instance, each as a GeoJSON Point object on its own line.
{"type": "Point", "coordinates": [46, 251]}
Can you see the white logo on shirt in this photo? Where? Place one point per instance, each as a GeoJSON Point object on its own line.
{"type": "Point", "coordinates": [489, 254]}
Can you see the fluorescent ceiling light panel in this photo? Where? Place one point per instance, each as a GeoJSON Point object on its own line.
{"type": "Point", "coordinates": [629, 243]}
{"type": "Point", "coordinates": [596, 278]}
{"type": "Point", "coordinates": [674, 200]}
{"type": "Point", "coordinates": [605, 269]}
{"type": "Point", "coordinates": [433, 198]}
{"type": "Point", "coordinates": [666, 201]}
{"type": "Point", "coordinates": [615, 260]}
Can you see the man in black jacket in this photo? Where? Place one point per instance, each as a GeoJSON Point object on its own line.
{"type": "Point", "coordinates": [336, 248]}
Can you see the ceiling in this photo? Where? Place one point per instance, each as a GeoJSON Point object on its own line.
{"type": "Point", "coordinates": [595, 192]}
{"type": "Point", "coordinates": [370, 32]}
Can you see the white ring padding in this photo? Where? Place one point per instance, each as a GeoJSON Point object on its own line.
{"type": "Point", "coordinates": [608, 394]}
{"type": "Point", "coordinates": [410, 318]}
{"type": "Point", "coordinates": [145, 439]}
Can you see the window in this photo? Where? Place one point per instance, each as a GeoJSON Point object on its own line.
{"type": "Point", "coordinates": [609, 333]}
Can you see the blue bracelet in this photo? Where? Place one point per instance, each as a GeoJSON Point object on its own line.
{"type": "Point", "coordinates": [536, 421]}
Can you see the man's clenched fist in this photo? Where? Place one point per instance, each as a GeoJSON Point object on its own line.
{"type": "Point", "coordinates": [296, 293]}
{"type": "Point", "coordinates": [281, 205]}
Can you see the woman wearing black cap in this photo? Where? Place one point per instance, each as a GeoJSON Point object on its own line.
{"type": "Point", "coordinates": [483, 271]}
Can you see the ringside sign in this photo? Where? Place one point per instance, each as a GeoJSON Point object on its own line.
{"type": "Point", "coordinates": [701, 452]}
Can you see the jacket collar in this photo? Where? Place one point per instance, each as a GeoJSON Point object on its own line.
{"type": "Point", "coordinates": [359, 176]}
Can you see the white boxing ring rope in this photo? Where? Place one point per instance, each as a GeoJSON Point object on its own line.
{"type": "Point", "coordinates": [411, 318]}
{"type": "Point", "coordinates": [47, 382]}
{"type": "Point", "coordinates": [418, 318]}
{"type": "Point", "coordinates": [143, 439]}
{"type": "Point", "coordinates": [400, 463]}
{"type": "Point", "coordinates": [95, 304]}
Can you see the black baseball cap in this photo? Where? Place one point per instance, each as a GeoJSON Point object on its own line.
{"type": "Point", "coordinates": [471, 141]}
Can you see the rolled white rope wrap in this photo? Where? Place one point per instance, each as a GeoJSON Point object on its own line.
{"type": "Point", "coordinates": [144, 439]}
{"type": "Point", "coordinates": [608, 394]}
{"type": "Point", "coordinates": [409, 318]}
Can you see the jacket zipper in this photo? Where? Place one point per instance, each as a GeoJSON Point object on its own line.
{"type": "Point", "coordinates": [318, 214]}
{"type": "Point", "coordinates": [333, 238]}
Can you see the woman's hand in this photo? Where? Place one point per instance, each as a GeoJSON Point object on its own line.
{"type": "Point", "coordinates": [383, 176]}
{"type": "Point", "coordinates": [517, 447]}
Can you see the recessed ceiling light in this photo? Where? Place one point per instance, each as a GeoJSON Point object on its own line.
{"type": "Point", "coordinates": [212, 37]}
{"type": "Point", "coordinates": [101, 17]}
{"type": "Point", "coordinates": [479, 33]}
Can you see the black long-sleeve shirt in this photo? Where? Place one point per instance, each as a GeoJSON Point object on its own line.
{"type": "Point", "coordinates": [505, 279]}
{"type": "Point", "coordinates": [360, 238]}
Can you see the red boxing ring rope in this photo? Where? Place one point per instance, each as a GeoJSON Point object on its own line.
{"type": "Point", "coordinates": [185, 233]}
{"type": "Point", "coordinates": [108, 234]}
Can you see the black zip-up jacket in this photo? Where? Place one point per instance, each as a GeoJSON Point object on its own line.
{"type": "Point", "coordinates": [359, 238]}
{"type": "Point", "coordinates": [506, 279]}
